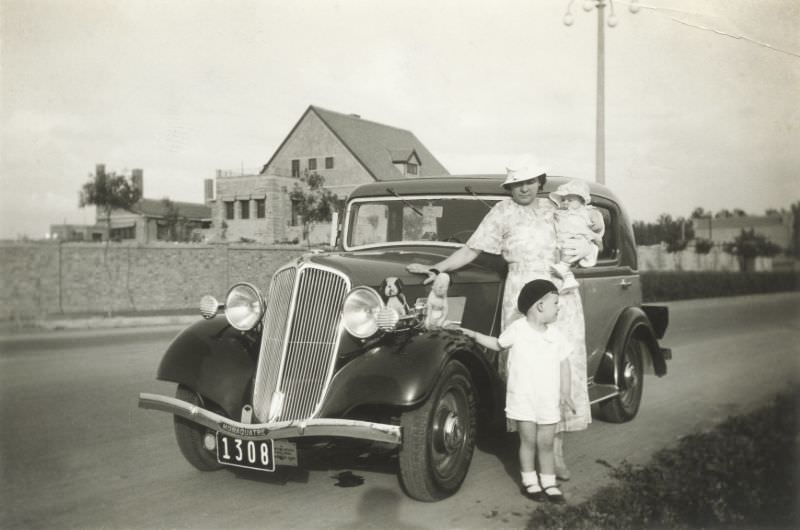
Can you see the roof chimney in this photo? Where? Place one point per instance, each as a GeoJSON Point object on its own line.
{"type": "Point", "coordinates": [137, 178]}
{"type": "Point", "coordinates": [99, 170]}
{"type": "Point", "coordinates": [209, 190]}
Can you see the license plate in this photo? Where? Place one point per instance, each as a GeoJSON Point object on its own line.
{"type": "Point", "coordinates": [250, 454]}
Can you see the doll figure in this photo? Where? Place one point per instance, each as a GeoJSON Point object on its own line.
{"type": "Point", "coordinates": [437, 302]}
{"type": "Point", "coordinates": [392, 293]}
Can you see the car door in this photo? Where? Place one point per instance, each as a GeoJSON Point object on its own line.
{"type": "Point", "coordinates": [607, 288]}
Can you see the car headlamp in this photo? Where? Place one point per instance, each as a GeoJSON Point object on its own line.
{"type": "Point", "coordinates": [360, 312]}
{"type": "Point", "coordinates": [209, 306]}
{"type": "Point", "coordinates": [244, 306]}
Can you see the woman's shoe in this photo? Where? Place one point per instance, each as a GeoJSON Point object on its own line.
{"type": "Point", "coordinates": [562, 473]}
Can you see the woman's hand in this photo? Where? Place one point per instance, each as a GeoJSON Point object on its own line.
{"type": "Point", "coordinates": [576, 248]}
{"type": "Point", "coordinates": [418, 268]}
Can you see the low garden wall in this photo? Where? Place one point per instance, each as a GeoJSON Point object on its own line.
{"type": "Point", "coordinates": [47, 278]}
{"type": "Point", "coordinates": [51, 278]}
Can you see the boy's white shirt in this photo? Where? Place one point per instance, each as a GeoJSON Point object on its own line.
{"type": "Point", "coordinates": [535, 360]}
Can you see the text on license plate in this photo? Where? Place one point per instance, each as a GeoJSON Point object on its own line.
{"type": "Point", "coordinates": [251, 454]}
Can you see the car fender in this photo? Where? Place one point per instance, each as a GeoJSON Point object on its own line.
{"type": "Point", "coordinates": [633, 321]}
{"type": "Point", "coordinates": [402, 371]}
{"type": "Point", "coordinates": [215, 360]}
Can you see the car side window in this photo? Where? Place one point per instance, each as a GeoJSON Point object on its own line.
{"type": "Point", "coordinates": [608, 249]}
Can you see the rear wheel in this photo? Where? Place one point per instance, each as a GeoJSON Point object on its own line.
{"type": "Point", "coordinates": [630, 379]}
{"type": "Point", "coordinates": [197, 443]}
{"type": "Point", "coordinates": [439, 437]}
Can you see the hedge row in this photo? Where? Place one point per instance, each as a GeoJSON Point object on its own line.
{"type": "Point", "coordinates": [683, 285]}
{"type": "Point", "coordinates": [741, 474]}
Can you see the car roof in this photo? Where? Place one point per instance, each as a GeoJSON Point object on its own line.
{"type": "Point", "coordinates": [484, 184]}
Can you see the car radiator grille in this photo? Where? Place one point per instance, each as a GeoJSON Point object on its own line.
{"type": "Point", "coordinates": [299, 342]}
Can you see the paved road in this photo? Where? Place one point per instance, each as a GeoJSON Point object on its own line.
{"type": "Point", "coordinates": [76, 452]}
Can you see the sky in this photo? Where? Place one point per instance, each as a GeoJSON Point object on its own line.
{"type": "Point", "coordinates": [702, 96]}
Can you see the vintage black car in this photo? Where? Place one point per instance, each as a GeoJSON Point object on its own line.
{"type": "Point", "coordinates": [319, 353]}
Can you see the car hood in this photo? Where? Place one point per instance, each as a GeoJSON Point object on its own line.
{"type": "Point", "coordinates": [370, 267]}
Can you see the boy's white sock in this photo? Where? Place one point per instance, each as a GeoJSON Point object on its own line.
{"type": "Point", "coordinates": [547, 480]}
{"type": "Point", "coordinates": [529, 478]}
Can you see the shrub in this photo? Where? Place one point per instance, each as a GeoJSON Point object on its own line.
{"type": "Point", "coordinates": [743, 473]}
{"type": "Point", "coordinates": [748, 245]}
{"type": "Point", "coordinates": [661, 286]}
{"type": "Point", "coordinates": [703, 246]}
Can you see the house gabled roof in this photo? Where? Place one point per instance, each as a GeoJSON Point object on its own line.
{"type": "Point", "coordinates": [402, 155]}
{"type": "Point", "coordinates": [156, 208]}
{"type": "Point", "coordinates": [373, 144]}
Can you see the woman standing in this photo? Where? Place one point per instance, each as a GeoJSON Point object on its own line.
{"type": "Point", "coordinates": [523, 230]}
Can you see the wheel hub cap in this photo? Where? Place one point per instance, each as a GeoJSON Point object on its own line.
{"type": "Point", "coordinates": [451, 432]}
{"type": "Point", "coordinates": [629, 376]}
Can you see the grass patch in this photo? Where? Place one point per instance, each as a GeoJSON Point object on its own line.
{"type": "Point", "coordinates": [683, 285]}
{"type": "Point", "coordinates": [743, 473]}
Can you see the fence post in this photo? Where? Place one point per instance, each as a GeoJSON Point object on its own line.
{"type": "Point", "coordinates": [59, 281]}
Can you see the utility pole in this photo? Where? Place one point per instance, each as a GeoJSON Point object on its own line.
{"type": "Point", "coordinates": [600, 132]}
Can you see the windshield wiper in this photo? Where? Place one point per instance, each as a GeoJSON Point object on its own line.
{"type": "Point", "coordinates": [469, 190]}
{"type": "Point", "coordinates": [390, 190]}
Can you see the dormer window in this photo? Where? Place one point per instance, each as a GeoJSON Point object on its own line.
{"type": "Point", "coordinates": [406, 161]}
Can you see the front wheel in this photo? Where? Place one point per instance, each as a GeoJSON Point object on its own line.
{"type": "Point", "coordinates": [630, 379]}
{"type": "Point", "coordinates": [197, 444]}
{"type": "Point", "coordinates": [439, 437]}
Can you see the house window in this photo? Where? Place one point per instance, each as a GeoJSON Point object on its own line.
{"type": "Point", "coordinates": [328, 162]}
{"type": "Point", "coordinates": [294, 216]}
{"type": "Point", "coordinates": [228, 209]}
{"type": "Point", "coordinates": [261, 210]}
{"type": "Point", "coordinates": [245, 209]}
{"type": "Point", "coordinates": [312, 164]}
{"type": "Point", "coordinates": [128, 232]}
{"type": "Point", "coordinates": [411, 169]}
{"type": "Point", "coordinates": [296, 168]}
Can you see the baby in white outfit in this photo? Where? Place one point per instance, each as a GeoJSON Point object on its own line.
{"type": "Point", "coordinates": [575, 219]}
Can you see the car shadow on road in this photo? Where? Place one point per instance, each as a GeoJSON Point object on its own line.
{"type": "Point", "coordinates": [505, 447]}
{"type": "Point", "coordinates": [340, 457]}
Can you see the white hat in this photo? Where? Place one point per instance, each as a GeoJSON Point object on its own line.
{"type": "Point", "coordinates": [523, 174]}
{"type": "Point", "coordinates": [572, 187]}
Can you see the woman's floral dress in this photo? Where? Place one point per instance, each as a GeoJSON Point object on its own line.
{"type": "Point", "coordinates": [526, 237]}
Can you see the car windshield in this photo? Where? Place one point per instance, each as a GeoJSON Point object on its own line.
{"type": "Point", "coordinates": [422, 220]}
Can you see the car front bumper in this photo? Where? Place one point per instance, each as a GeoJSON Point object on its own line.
{"type": "Point", "coordinates": [328, 427]}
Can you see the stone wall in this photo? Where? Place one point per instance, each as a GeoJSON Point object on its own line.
{"type": "Point", "coordinates": [656, 258]}
{"type": "Point", "coordinates": [39, 279]}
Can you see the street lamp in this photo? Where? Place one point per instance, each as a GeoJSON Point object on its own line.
{"type": "Point", "coordinates": [600, 135]}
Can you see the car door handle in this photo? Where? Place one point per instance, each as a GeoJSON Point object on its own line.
{"type": "Point", "coordinates": [625, 283]}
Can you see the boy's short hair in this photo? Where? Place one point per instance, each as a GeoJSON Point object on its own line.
{"type": "Point", "coordinates": [532, 292]}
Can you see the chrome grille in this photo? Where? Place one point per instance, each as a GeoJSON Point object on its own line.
{"type": "Point", "coordinates": [300, 339]}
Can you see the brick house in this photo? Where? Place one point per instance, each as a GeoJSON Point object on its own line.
{"type": "Point", "coordinates": [144, 222]}
{"type": "Point", "coordinates": [344, 148]}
